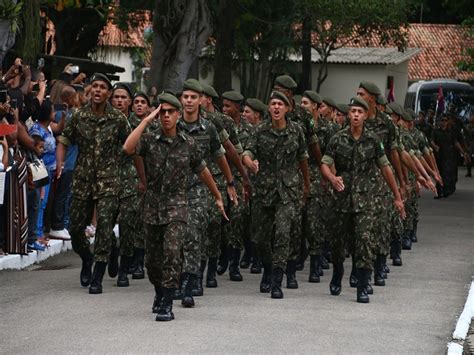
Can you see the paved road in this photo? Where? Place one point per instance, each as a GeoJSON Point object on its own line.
{"type": "Point", "coordinates": [46, 311]}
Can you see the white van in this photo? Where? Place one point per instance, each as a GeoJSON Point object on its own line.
{"type": "Point", "coordinates": [423, 95]}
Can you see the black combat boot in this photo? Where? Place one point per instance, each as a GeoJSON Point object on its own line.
{"type": "Point", "coordinates": [178, 293]}
{"type": "Point", "coordinates": [247, 257]}
{"type": "Point", "coordinates": [122, 279]}
{"type": "Point", "coordinates": [335, 286]}
{"type": "Point", "coordinates": [266, 282]}
{"type": "Point", "coordinates": [165, 311]}
{"type": "Point", "coordinates": [139, 272]}
{"type": "Point", "coordinates": [369, 288]}
{"type": "Point", "coordinates": [386, 269]}
{"type": "Point", "coordinates": [256, 267]}
{"type": "Point", "coordinates": [353, 277]}
{"type": "Point", "coordinates": [211, 280]}
{"type": "Point", "coordinates": [234, 271]}
{"type": "Point", "coordinates": [197, 289]}
{"type": "Point", "coordinates": [86, 270]}
{"type": "Point", "coordinates": [291, 281]}
{"type": "Point", "coordinates": [395, 251]}
{"type": "Point", "coordinates": [362, 296]}
{"type": "Point", "coordinates": [378, 271]}
{"type": "Point", "coordinates": [223, 261]}
{"type": "Point", "coordinates": [113, 265]}
{"type": "Point", "coordinates": [188, 281]}
{"type": "Point", "coordinates": [277, 278]}
{"type": "Point", "coordinates": [406, 240]}
{"type": "Point", "coordinates": [313, 269]}
{"type": "Point", "coordinates": [414, 237]}
{"type": "Point", "coordinates": [97, 277]}
{"type": "Point", "coordinates": [157, 299]}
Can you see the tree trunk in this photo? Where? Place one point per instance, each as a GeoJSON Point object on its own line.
{"type": "Point", "coordinates": [264, 75]}
{"type": "Point", "coordinates": [323, 69]}
{"type": "Point", "coordinates": [305, 82]}
{"type": "Point", "coordinates": [181, 28]}
{"type": "Point", "coordinates": [224, 45]}
{"type": "Point", "coordinates": [7, 39]}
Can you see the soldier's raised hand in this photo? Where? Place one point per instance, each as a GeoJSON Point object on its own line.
{"type": "Point", "coordinates": [152, 115]}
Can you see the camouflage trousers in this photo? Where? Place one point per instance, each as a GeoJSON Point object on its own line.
{"type": "Point", "coordinates": [383, 223]}
{"type": "Point", "coordinates": [217, 229]}
{"type": "Point", "coordinates": [196, 230]}
{"type": "Point", "coordinates": [354, 230]}
{"type": "Point", "coordinates": [81, 216]}
{"type": "Point", "coordinates": [130, 225]}
{"type": "Point", "coordinates": [316, 228]}
{"type": "Point", "coordinates": [163, 253]}
{"type": "Point", "coordinates": [296, 235]}
{"type": "Point", "coordinates": [272, 228]}
{"type": "Point", "coordinates": [411, 208]}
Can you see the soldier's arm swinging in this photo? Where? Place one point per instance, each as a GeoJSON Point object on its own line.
{"type": "Point", "coordinates": [336, 181]}
{"type": "Point", "coordinates": [206, 177]}
{"type": "Point", "coordinates": [140, 168]}
{"type": "Point", "coordinates": [395, 160]}
{"type": "Point", "coordinates": [316, 151]}
{"type": "Point", "coordinates": [303, 164]}
{"type": "Point", "coordinates": [224, 167]}
{"type": "Point", "coordinates": [390, 179]}
{"type": "Point", "coordinates": [233, 156]}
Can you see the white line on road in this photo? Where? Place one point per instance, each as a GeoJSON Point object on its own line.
{"type": "Point", "coordinates": [455, 347]}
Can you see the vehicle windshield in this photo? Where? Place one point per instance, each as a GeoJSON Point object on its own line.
{"type": "Point", "coordinates": [462, 98]}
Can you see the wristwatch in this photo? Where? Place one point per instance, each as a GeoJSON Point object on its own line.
{"type": "Point", "coordinates": [231, 183]}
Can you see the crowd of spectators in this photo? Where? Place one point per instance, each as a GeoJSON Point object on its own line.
{"type": "Point", "coordinates": [33, 112]}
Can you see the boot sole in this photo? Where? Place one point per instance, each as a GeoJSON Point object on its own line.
{"type": "Point", "coordinates": [138, 277]}
{"type": "Point", "coordinates": [160, 318]}
{"type": "Point", "coordinates": [95, 292]}
{"type": "Point", "coordinates": [123, 284]}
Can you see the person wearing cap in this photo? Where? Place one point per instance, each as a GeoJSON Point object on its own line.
{"type": "Point", "coordinates": [316, 209]}
{"type": "Point", "coordinates": [231, 143]}
{"type": "Point", "coordinates": [326, 128]}
{"type": "Point", "coordinates": [99, 131]}
{"type": "Point", "coordinates": [253, 114]}
{"type": "Point", "coordinates": [277, 154]}
{"type": "Point", "coordinates": [341, 114]}
{"type": "Point", "coordinates": [122, 97]}
{"type": "Point", "coordinates": [169, 154]}
{"type": "Point", "coordinates": [296, 113]}
{"type": "Point", "coordinates": [380, 124]}
{"type": "Point", "coordinates": [205, 133]}
{"type": "Point", "coordinates": [356, 154]}
{"type": "Point", "coordinates": [254, 111]}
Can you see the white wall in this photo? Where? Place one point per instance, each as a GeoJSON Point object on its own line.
{"type": "Point", "coordinates": [119, 57]}
{"type": "Point", "coordinates": [400, 75]}
{"type": "Point", "coordinates": [209, 77]}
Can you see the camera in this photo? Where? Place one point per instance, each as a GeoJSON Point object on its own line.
{"type": "Point", "coordinates": [75, 69]}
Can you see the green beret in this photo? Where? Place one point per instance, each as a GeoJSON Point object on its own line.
{"type": "Point", "coordinates": [123, 86]}
{"type": "Point", "coordinates": [371, 88]}
{"type": "Point", "coordinates": [101, 77]}
{"type": "Point", "coordinates": [193, 85]}
{"type": "Point", "coordinates": [170, 99]}
{"type": "Point", "coordinates": [343, 108]}
{"type": "Point", "coordinates": [256, 105]}
{"type": "Point", "coordinates": [286, 81]}
{"type": "Point", "coordinates": [279, 96]}
{"type": "Point", "coordinates": [388, 110]}
{"type": "Point", "coordinates": [233, 96]}
{"type": "Point", "coordinates": [381, 100]}
{"type": "Point", "coordinates": [142, 94]}
{"type": "Point", "coordinates": [329, 101]}
{"type": "Point", "coordinates": [170, 91]}
{"type": "Point", "coordinates": [208, 90]}
{"type": "Point", "coordinates": [313, 96]}
{"type": "Point", "coordinates": [358, 101]}
{"type": "Point", "coordinates": [407, 116]}
{"type": "Point", "coordinates": [396, 108]}
{"type": "Point", "coordinates": [411, 112]}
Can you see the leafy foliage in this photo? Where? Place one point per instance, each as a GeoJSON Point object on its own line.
{"type": "Point", "coordinates": [11, 12]}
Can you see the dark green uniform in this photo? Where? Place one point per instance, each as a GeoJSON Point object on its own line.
{"type": "Point", "coordinates": [165, 203]}
{"type": "Point", "coordinates": [96, 176]}
{"type": "Point", "coordinates": [277, 188]}
{"type": "Point", "coordinates": [356, 162]}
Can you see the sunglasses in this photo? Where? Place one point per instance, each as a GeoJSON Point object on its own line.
{"type": "Point", "coordinates": [444, 120]}
{"type": "Point", "coordinates": [170, 111]}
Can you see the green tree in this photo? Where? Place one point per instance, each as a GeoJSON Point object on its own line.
{"type": "Point", "coordinates": [336, 23]}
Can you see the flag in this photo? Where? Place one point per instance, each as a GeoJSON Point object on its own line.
{"type": "Point", "coordinates": [440, 100]}
{"type": "Point", "coordinates": [391, 92]}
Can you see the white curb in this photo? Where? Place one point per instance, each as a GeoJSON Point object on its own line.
{"type": "Point", "coordinates": [18, 262]}
{"type": "Point", "coordinates": [455, 347]}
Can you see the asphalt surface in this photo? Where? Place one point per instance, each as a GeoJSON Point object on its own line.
{"type": "Point", "coordinates": [45, 310]}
